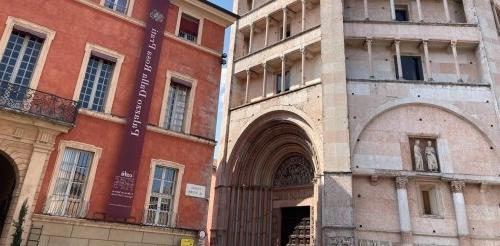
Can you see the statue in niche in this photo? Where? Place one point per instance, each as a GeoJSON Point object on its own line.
{"type": "Point", "coordinates": [430, 154]}
{"type": "Point", "coordinates": [417, 154]}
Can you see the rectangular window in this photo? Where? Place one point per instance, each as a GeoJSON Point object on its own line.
{"type": "Point", "coordinates": [71, 181]}
{"type": "Point", "coordinates": [401, 13]}
{"type": "Point", "coordinates": [119, 6]}
{"type": "Point", "coordinates": [188, 28]}
{"type": "Point", "coordinates": [278, 82]}
{"type": "Point", "coordinates": [19, 58]}
{"type": "Point", "coordinates": [411, 66]}
{"type": "Point", "coordinates": [160, 208]}
{"type": "Point", "coordinates": [176, 106]}
{"type": "Point", "coordinates": [430, 204]}
{"type": "Point", "coordinates": [95, 84]}
{"type": "Point", "coordinates": [288, 32]}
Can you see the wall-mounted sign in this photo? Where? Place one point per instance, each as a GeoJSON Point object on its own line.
{"type": "Point", "coordinates": [187, 242]}
{"type": "Point", "coordinates": [195, 190]}
{"type": "Point", "coordinates": [122, 191]}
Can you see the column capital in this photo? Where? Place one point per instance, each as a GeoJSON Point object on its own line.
{"type": "Point", "coordinates": [457, 186]}
{"type": "Point", "coordinates": [283, 57]}
{"type": "Point", "coordinates": [264, 65]}
{"type": "Point", "coordinates": [401, 182]}
{"type": "Point", "coordinates": [453, 43]}
{"type": "Point", "coordinates": [396, 42]}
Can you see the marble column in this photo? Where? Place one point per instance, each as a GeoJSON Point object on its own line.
{"type": "Point", "coordinates": [457, 187]}
{"type": "Point", "coordinates": [398, 59]}
{"type": "Point", "coordinates": [446, 11]}
{"type": "Point", "coordinates": [365, 6]}
{"type": "Point", "coordinates": [250, 40]}
{"type": "Point", "coordinates": [455, 59]}
{"type": "Point", "coordinates": [247, 85]}
{"type": "Point", "coordinates": [266, 38]}
{"type": "Point", "coordinates": [285, 10]}
{"type": "Point", "coordinates": [303, 65]}
{"type": "Point", "coordinates": [428, 69]}
{"type": "Point", "coordinates": [369, 43]}
{"type": "Point", "coordinates": [303, 19]}
{"type": "Point", "coordinates": [419, 10]}
{"type": "Point", "coordinates": [393, 9]}
{"type": "Point", "coordinates": [283, 68]}
{"type": "Point", "coordinates": [264, 79]}
{"type": "Point", "coordinates": [404, 211]}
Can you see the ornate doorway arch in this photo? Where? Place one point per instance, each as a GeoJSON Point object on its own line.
{"type": "Point", "coordinates": [7, 184]}
{"type": "Point", "coordinates": [270, 172]}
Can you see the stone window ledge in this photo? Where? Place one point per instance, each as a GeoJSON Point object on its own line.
{"type": "Point", "coordinates": [422, 82]}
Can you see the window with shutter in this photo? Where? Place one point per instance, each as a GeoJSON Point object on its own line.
{"type": "Point", "coordinates": [188, 28]}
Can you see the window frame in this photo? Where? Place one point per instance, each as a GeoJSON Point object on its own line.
{"type": "Point", "coordinates": [99, 51]}
{"type": "Point", "coordinates": [194, 15]}
{"type": "Point", "coordinates": [47, 34]}
{"type": "Point", "coordinates": [405, 7]}
{"type": "Point", "coordinates": [420, 73]}
{"type": "Point", "coordinates": [435, 192]}
{"type": "Point", "coordinates": [63, 144]}
{"type": "Point", "coordinates": [192, 83]}
{"type": "Point", "coordinates": [130, 6]}
{"type": "Point", "coordinates": [178, 187]}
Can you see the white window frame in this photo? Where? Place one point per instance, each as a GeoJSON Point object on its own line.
{"type": "Point", "coordinates": [47, 34]}
{"type": "Point", "coordinates": [129, 7]}
{"type": "Point", "coordinates": [63, 144]}
{"type": "Point", "coordinates": [99, 51]}
{"type": "Point", "coordinates": [191, 96]}
{"type": "Point", "coordinates": [436, 188]}
{"type": "Point", "coordinates": [178, 186]}
{"type": "Point", "coordinates": [200, 24]}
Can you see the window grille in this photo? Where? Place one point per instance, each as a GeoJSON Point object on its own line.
{"type": "Point", "coordinates": [176, 106]}
{"type": "Point", "coordinates": [96, 83]}
{"type": "Point", "coordinates": [67, 198]}
{"type": "Point", "coordinates": [159, 210]}
{"type": "Point", "coordinates": [120, 6]}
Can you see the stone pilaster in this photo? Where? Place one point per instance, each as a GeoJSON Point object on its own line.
{"type": "Point", "coordinates": [457, 187]}
{"type": "Point", "coordinates": [404, 211]}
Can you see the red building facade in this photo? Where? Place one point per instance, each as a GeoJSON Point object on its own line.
{"type": "Point", "coordinates": [88, 51]}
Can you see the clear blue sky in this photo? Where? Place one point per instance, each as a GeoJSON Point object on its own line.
{"type": "Point", "coordinates": [227, 4]}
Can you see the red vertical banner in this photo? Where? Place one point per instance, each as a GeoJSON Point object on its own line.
{"type": "Point", "coordinates": [124, 180]}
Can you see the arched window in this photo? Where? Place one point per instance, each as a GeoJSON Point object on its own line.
{"type": "Point", "coordinates": [295, 170]}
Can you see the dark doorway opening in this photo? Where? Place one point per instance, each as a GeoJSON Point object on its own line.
{"type": "Point", "coordinates": [7, 183]}
{"type": "Point", "coordinates": [295, 226]}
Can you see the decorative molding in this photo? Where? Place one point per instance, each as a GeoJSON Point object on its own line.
{"type": "Point", "coordinates": [295, 170]}
{"type": "Point", "coordinates": [340, 241]}
{"type": "Point", "coordinates": [457, 186]}
{"type": "Point", "coordinates": [401, 182]}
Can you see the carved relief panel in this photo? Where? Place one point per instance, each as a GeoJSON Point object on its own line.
{"type": "Point", "coordinates": [424, 154]}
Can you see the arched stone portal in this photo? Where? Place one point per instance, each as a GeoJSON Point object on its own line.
{"type": "Point", "coordinates": [266, 192]}
{"type": "Point", "coordinates": [7, 184]}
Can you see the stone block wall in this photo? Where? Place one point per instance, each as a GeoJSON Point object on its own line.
{"type": "Point", "coordinates": [63, 231]}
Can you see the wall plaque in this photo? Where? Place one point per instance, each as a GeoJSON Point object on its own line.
{"type": "Point", "coordinates": [195, 190]}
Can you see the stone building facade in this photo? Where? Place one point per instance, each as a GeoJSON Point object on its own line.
{"type": "Point", "coordinates": [68, 70]}
{"type": "Point", "coordinates": [361, 122]}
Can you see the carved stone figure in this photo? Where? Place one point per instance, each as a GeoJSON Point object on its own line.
{"type": "Point", "coordinates": [430, 154]}
{"type": "Point", "coordinates": [417, 156]}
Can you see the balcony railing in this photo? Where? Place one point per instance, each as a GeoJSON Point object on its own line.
{"type": "Point", "coordinates": [154, 217]}
{"type": "Point", "coordinates": [65, 206]}
{"type": "Point", "coordinates": [37, 103]}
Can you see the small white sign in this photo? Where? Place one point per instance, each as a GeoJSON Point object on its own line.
{"type": "Point", "coordinates": [195, 190]}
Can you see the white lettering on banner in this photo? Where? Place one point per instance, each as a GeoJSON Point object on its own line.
{"type": "Point", "coordinates": [143, 92]}
{"type": "Point", "coordinates": [195, 190]}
